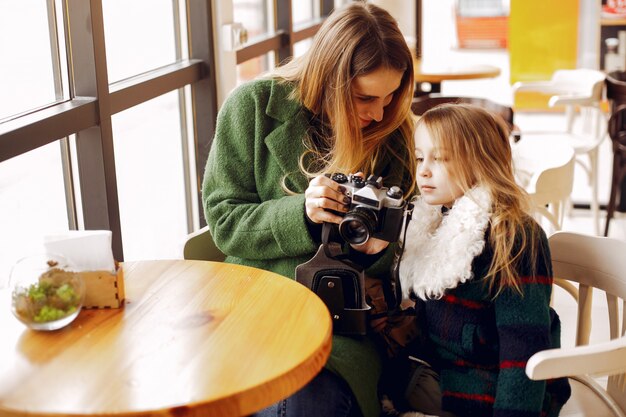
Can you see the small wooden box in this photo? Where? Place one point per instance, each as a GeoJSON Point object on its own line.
{"type": "Point", "coordinates": [104, 289]}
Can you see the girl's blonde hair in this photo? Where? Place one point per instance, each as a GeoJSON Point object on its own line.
{"type": "Point", "coordinates": [355, 40]}
{"type": "Point", "coordinates": [478, 153]}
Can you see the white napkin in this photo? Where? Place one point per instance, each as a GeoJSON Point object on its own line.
{"type": "Point", "coordinates": [84, 250]}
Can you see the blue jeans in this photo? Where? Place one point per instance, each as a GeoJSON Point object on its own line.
{"type": "Point", "coordinates": [327, 395]}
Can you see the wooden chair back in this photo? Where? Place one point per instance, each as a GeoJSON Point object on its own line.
{"type": "Point", "coordinates": [595, 264]}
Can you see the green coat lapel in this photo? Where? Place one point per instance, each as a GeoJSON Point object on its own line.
{"type": "Point", "coordinates": [293, 122]}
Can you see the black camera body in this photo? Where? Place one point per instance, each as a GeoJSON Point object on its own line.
{"type": "Point", "coordinates": [375, 211]}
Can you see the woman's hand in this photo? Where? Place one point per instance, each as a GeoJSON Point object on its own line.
{"type": "Point", "coordinates": [323, 195]}
{"type": "Point", "coordinates": [372, 246]}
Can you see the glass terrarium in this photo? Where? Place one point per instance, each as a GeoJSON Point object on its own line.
{"type": "Point", "coordinates": [46, 293]}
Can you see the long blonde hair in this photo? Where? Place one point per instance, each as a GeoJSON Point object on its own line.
{"type": "Point", "coordinates": [355, 40]}
{"type": "Point", "coordinates": [478, 152]}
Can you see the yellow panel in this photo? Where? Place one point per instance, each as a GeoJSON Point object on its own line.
{"type": "Point", "coordinates": [543, 37]}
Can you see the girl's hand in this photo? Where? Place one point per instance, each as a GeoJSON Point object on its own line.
{"type": "Point", "coordinates": [322, 196]}
{"type": "Point", "coordinates": [372, 246]}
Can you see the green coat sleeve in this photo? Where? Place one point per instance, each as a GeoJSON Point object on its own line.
{"type": "Point", "coordinates": [249, 214]}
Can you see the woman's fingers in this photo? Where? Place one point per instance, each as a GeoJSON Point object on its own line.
{"type": "Point", "coordinates": [325, 200]}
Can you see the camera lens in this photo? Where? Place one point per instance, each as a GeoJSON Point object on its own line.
{"type": "Point", "coordinates": [358, 225]}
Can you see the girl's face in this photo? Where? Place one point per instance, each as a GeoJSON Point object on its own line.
{"type": "Point", "coordinates": [436, 184]}
{"type": "Point", "coordinates": [372, 92]}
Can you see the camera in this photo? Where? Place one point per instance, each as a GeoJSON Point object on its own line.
{"type": "Point", "coordinates": [375, 211]}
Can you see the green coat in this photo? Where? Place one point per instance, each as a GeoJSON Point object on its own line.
{"type": "Point", "coordinates": [258, 140]}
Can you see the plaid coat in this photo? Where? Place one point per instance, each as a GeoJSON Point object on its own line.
{"type": "Point", "coordinates": [480, 345]}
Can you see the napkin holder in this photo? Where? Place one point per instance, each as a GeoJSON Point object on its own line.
{"type": "Point", "coordinates": [104, 289]}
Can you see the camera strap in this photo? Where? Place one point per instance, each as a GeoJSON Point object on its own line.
{"type": "Point", "coordinates": [395, 269]}
{"type": "Point", "coordinates": [333, 249]}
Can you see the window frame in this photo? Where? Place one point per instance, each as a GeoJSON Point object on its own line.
{"type": "Point", "coordinates": [285, 34]}
{"type": "Point", "coordinates": [87, 113]}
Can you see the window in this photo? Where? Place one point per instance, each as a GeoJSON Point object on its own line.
{"type": "Point", "coordinates": [107, 148]}
{"type": "Point", "coordinates": [32, 203]}
{"type": "Point", "coordinates": [149, 163]}
{"type": "Point", "coordinates": [31, 73]}
{"type": "Point", "coordinates": [254, 67]}
{"type": "Point", "coordinates": [304, 11]}
{"type": "Point", "coordinates": [122, 143]}
{"type": "Point", "coordinates": [140, 35]}
{"type": "Point", "coordinates": [272, 42]}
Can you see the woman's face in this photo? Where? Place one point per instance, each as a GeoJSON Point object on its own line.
{"type": "Point", "coordinates": [372, 92]}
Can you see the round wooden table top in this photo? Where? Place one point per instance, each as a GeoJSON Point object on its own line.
{"type": "Point", "coordinates": [194, 338]}
{"type": "Point", "coordinates": [437, 74]}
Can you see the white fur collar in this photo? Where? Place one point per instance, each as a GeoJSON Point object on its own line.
{"type": "Point", "coordinates": [440, 248]}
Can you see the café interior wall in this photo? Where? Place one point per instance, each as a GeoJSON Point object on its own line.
{"type": "Point", "coordinates": [544, 36]}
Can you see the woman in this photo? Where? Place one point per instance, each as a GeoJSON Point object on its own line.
{"type": "Point", "coordinates": [342, 107]}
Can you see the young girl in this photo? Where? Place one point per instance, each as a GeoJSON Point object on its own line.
{"type": "Point", "coordinates": [478, 267]}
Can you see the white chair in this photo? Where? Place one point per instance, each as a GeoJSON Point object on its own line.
{"type": "Point", "coordinates": [578, 89]}
{"type": "Point", "coordinates": [199, 246]}
{"type": "Point", "coordinates": [546, 171]}
{"type": "Point", "coordinates": [593, 263]}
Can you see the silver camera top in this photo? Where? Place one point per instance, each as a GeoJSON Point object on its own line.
{"type": "Point", "coordinates": [370, 193]}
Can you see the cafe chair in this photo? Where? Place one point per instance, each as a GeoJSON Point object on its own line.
{"type": "Point", "coordinates": [581, 92]}
{"type": "Point", "coordinates": [199, 246]}
{"type": "Point", "coordinates": [546, 171]}
{"type": "Point", "coordinates": [421, 104]}
{"type": "Point", "coordinates": [617, 133]}
{"type": "Point", "coordinates": [594, 264]}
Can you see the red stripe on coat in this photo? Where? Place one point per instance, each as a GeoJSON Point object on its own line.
{"type": "Point", "coordinates": [466, 364]}
{"type": "Point", "coordinates": [452, 299]}
{"type": "Point", "coordinates": [472, 397]}
{"type": "Point", "coordinates": [512, 364]}
{"type": "Point", "coordinates": [537, 280]}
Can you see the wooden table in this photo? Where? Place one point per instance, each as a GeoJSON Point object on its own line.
{"type": "Point", "coordinates": [434, 75]}
{"type": "Point", "coordinates": [195, 338]}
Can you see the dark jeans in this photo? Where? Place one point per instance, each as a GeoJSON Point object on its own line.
{"type": "Point", "coordinates": [326, 395]}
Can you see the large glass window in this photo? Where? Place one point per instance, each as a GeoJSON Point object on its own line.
{"type": "Point", "coordinates": [130, 166]}
{"type": "Point", "coordinates": [30, 74]}
{"type": "Point", "coordinates": [301, 47]}
{"type": "Point", "coordinates": [139, 35]}
{"type": "Point", "coordinates": [136, 156]}
{"type": "Point", "coordinates": [150, 178]}
{"type": "Point", "coordinates": [303, 11]}
{"type": "Point", "coordinates": [275, 35]}
{"type": "Point", "coordinates": [255, 15]}
{"type": "Point", "coordinates": [254, 67]}
{"type": "Point", "coordinates": [32, 204]}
